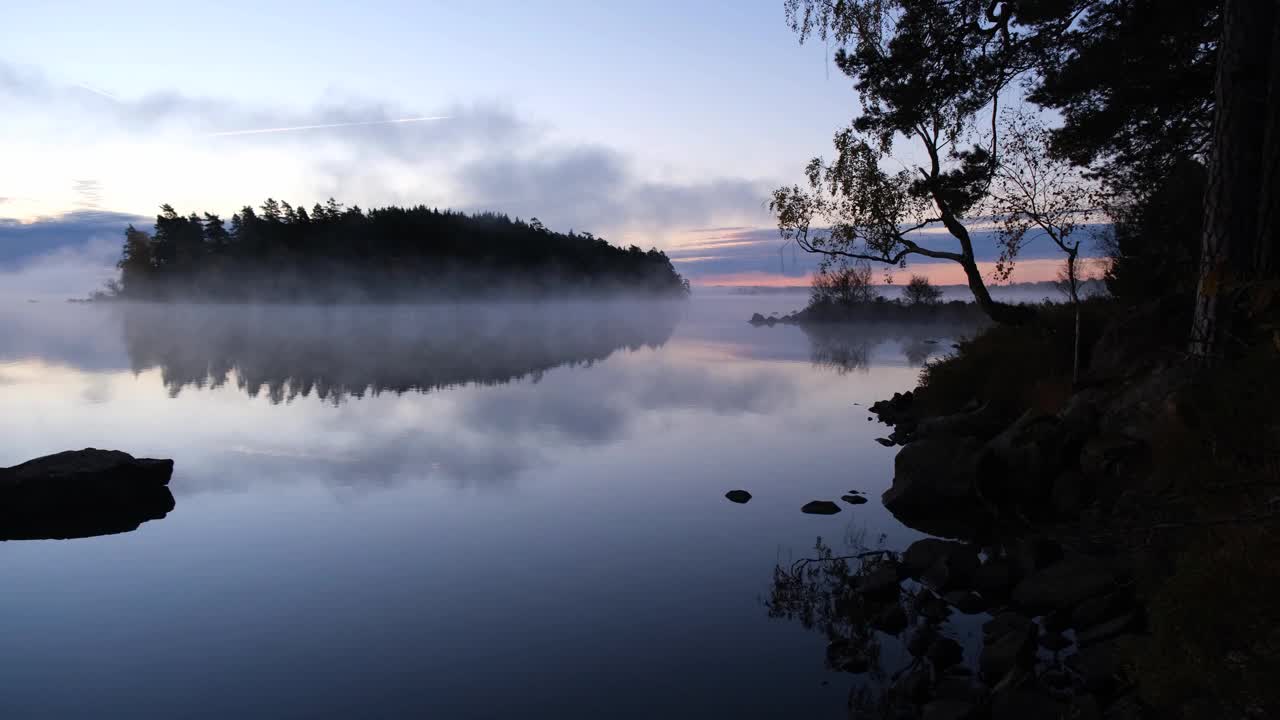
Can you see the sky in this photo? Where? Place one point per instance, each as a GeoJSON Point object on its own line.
{"type": "Point", "coordinates": [664, 124]}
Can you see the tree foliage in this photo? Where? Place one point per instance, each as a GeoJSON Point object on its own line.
{"type": "Point", "coordinates": [338, 253]}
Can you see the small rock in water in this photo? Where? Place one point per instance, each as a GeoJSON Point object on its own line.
{"type": "Point", "coordinates": [854, 499]}
{"type": "Point", "coordinates": [820, 507]}
{"type": "Point", "coordinates": [884, 441]}
{"type": "Point", "coordinates": [738, 496]}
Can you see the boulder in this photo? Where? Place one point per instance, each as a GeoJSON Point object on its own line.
{"type": "Point", "coordinates": [1002, 653]}
{"type": "Point", "coordinates": [918, 642]}
{"type": "Point", "coordinates": [933, 487]}
{"type": "Point", "coordinates": [967, 602]}
{"type": "Point", "coordinates": [1067, 494]}
{"type": "Point", "coordinates": [922, 555]}
{"type": "Point", "coordinates": [931, 607]}
{"type": "Point", "coordinates": [854, 499]}
{"type": "Point", "coordinates": [1023, 703]}
{"type": "Point", "coordinates": [892, 620]}
{"type": "Point", "coordinates": [1106, 630]}
{"type": "Point", "coordinates": [738, 496]}
{"type": "Point", "coordinates": [1029, 555]}
{"type": "Point", "coordinates": [947, 709]}
{"type": "Point", "coordinates": [1054, 641]}
{"type": "Point", "coordinates": [820, 507]}
{"type": "Point", "coordinates": [993, 581]}
{"type": "Point", "coordinates": [1004, 623]}
{"type": "Point", "coordinates": [82, 493]}
{"type": "Point", "coordinates": [1100, 609]}
{"type": "Point", "coordinates": [1017, 468]}
{"type": "Point", "coordinates": [756, 319]}
{"type": "Point", "coordinates": [944, 652]}
{"type": "Point", "coordinates": [1098, 666]}
{"type": "Point", "coordinates": [1064, 585]}
{"type": "Point", "coordinates": [881, 583]}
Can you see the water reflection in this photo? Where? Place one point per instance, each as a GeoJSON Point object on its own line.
{"type": "Point", "coordinates": [346, 352]}
{"type": "Point", "coordinates": [846, 348]}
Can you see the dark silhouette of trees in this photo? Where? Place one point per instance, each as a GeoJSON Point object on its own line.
{"type": "Point", "coordinates": [332, 253]}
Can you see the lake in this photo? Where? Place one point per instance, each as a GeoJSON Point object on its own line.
{"type": "Point", "coordinates": [463, 511]}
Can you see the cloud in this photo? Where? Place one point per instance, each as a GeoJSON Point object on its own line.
{"type": "Point", "coordinates": [590, 186]}
{"type": "Point", "coordinates": [758, 256]}
{"type": "Point", "coordinates": [484, 156]}
{"type": "Point", "coordinates": [221, 122]}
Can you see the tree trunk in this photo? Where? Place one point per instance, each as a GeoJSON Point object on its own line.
{"type": "Point", "coordinates": [1269, 194]}
{"type": "Point", "coordinates": [1231, 203]}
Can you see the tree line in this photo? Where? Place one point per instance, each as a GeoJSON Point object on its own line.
{"type": "Point", "coordinates": [330, 253]}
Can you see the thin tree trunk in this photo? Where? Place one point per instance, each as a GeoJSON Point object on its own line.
{"type": "Point", "coordinates": [1231, 201]}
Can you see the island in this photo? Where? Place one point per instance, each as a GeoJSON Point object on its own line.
{"type": "Point", "coordinates": [333, 253]}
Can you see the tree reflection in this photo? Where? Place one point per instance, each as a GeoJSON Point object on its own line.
{"type": "Point", "coordinates": [335, 353]}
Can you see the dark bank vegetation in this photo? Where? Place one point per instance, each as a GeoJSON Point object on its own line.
{"type": "Point", "coordinates": [1124, 450]}
{"type": "Point", "coordinates": [334, 253]}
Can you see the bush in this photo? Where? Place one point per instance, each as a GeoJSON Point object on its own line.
{"type": "Point", "coordinates": [843, 285]}
{"type": "Point", "coordinates": [919, 291]}
{"type": "Point", "coordinates": [1013, 367]}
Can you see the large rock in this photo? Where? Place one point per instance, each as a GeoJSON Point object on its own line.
{"type": "Point", "coordinates": [956, 560]}
{"type": "Point", "coordinates": [1009, 643]}
{"type": "Point", "coordinates": [1017, 468]}
{"type": "Point", "coordinates": [820, 507]}
{"type": "Point", "coordinates": [933, 487]}
{"type": "Point", "coordinates": [82, 493]}
{"type": "Point", "coordinates": [1064, 585]}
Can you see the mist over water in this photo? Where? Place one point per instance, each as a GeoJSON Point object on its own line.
{"type": "Point", "coordinates": [462, 510]}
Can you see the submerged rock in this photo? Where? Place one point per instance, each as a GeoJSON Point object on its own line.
{"type": "Point", "coordinates": [82, 493]}
{"type": "Point", "coordinates": [820, 507]}
{"type": "Point", "coordinates": [738, 496]}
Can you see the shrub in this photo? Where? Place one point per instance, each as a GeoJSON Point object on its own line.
{"type": "Point", "coordinates": [919, 291]}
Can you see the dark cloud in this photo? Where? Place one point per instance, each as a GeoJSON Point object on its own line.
{"type": "Point", "coordinates": [20, 241]}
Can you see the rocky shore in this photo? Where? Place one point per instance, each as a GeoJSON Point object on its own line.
{"type": "Point", "coordinates": [1043, 519]}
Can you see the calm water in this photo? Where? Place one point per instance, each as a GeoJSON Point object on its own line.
{"type": "Point", "coordinates": [488, 512]}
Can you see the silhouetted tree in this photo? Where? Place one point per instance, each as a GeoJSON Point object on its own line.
{"type": "Point", "coordinates": [924, 71]}
{"type": "Point", "coordinates": [919, 291]}
{"type": "Point", "coordinates": [843, 285]}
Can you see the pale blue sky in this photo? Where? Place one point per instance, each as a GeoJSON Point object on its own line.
{"type": "Point", "coordinates": [684, 93]}
{"type": "Point", "coordinates": [645, 122]}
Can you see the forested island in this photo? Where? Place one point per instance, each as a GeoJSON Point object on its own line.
{"type": "Point", "coordinates": [333, 253]}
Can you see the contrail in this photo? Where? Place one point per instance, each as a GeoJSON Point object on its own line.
{"type": "Point", "coordinates": [296, 128]}
{"type": "Point", "coordinates": [97, 91]}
